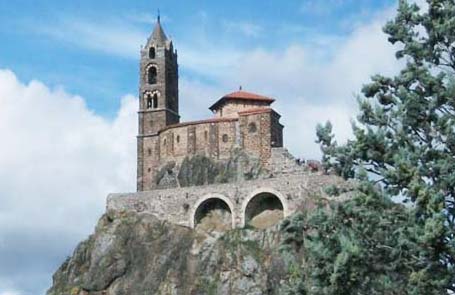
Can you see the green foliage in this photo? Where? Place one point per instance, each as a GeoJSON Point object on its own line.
{"type": "Point", "coordinates": [404, 141]}
{"type": "Point", "coordinates": [293, 235]}
{"type": "Point", "coordinates": [361, 246]}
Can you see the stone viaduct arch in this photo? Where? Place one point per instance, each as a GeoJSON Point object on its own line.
{"type": "Point", "coordinates": [258, 193]}
{"type": "Point", "coordinates": [180, 205]}
{"type": "Point", "coordinates": [215, 197]}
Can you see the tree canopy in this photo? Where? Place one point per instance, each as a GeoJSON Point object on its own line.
{"type": "Point", "coordinates": [403, 148]}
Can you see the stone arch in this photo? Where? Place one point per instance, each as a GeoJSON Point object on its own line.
{"type": "Point", "coordinates": [151, 99]}
{"type": "Point", "coordinates": [261, 192]}
{"type": "Point", "coordinates": [152, 73]}
{"type": "Point", "coordinates": [204, 200]}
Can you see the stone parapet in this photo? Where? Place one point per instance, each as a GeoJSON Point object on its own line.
{"type": "Point", "coordinates": [179, 205]}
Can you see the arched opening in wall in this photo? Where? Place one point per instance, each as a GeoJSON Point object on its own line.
{"type": "Point", "coordinates": [252, 127]}
{"type": "Point", "coordinates": [155, 101]}
{"type": "Point", "coordinates": [151, 74]}
{"type": "Point", "coordinates": [152, 52]}
{"type": "Point", "coordinates": [264, 210]}
{"type": "Point", "coordinates": [149, 101]}
{"type": "Point", "coordinates": [212, 215]}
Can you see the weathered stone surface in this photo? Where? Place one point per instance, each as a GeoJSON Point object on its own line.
{"type": "Point", "coordinates": [200, 170]}
{"type": "Point", "coordinates": [179, 205]}
{"type": "Point", "coordinates": [135, 253]}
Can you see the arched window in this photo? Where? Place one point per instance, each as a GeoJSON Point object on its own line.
{"type": "Point", "coordinates": [252, 127]}
{"type": "Point", "coordinates": [155, 101]}
{"type": "Point", "coordinates": [149, 101]}
{"type": "Point", "coordinates": [225, 138]}
{"type": "Point", "coordinates": [152, 52]}
{"type": "Point", "coordinates": [151, 75]}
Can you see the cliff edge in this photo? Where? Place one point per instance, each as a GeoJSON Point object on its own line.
{"type": "Point", "coordinates": [136, 253]}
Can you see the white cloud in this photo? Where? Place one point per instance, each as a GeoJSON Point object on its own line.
{"type": "Point", "coordinates": [113, 37]}
{"type": "Point", "coordinates": [58, 159]}
{"type": "Point", "coordinates": [58, 162]}
{"type": "Point", "coordinates": [312, 83]}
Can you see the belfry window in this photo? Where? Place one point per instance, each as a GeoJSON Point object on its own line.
{"type": "Point", "coordinates": [151, 75]}
{"type": "Point", "coordinates": [152, 52]}
{"type": "Point", "coordinates": [155, 101]}
{"type": "Point", "coordinates": [149, 102]}
{"type": "Point", "coordinates": [152, 101]}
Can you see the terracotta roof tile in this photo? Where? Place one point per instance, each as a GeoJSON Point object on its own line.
{"type": "Point", "coordinates": [242, 95]}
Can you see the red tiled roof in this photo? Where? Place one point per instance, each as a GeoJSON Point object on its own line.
{"type": "Point", "coordinates": [213, 120]}
{"type": "Point", "coordinates": [242, 95]}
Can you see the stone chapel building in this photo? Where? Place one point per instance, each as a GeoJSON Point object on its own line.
{"type": "Point", "coordinates": [234, 161]}
{"type": "Point", "coordinates": [240, 119]}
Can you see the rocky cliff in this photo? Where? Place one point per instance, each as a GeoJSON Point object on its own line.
{"type": "Point", "coordinates": [135, 253]}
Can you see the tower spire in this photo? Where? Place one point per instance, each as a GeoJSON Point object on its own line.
{"type": "Point", "coordinates": [158, 36]}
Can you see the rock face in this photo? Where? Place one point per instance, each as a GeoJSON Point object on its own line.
{"type": "Point", "coordinates": [201, 170]}
{"type": "Point", "coordinates": [135, 253]}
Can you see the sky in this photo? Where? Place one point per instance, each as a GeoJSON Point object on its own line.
{"type": "Point", "coordinates": [68, 98]}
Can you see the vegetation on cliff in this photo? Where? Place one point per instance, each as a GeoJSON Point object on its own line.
{"type": "Point", "coordinates": [403, 147]}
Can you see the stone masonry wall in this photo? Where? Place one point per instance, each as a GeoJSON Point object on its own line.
{"type": "Point", "coordinates": [232, 108]}
{"type": "Point", "coordinates": [179, 205]}
{"type": "Point", "coordinates": [215, 139]}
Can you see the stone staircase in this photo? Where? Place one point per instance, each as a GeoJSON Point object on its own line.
{"type": "Point", "coordinates": [283, 162]}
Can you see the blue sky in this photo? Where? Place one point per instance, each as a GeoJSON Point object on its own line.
{"type": "Point", "coordinates": [50, 40]}
{"type": "Point", "coordinates": [69, 81]}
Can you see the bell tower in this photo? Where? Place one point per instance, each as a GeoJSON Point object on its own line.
{"type": "Point", "coordinates": [158, 101]}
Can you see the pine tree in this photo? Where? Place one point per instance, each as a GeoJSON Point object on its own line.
{"type": "Point", "coordinates": [403, 147]}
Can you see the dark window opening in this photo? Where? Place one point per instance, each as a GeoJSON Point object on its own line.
{"type": "Point", "coordinates": [149, 151]}
{"type": "Point", "coordinates": [206, 135]}
{"type": "Point", "coordinates": [155, 100]}
{"type": "Point", "coordinates": [252, 127]}
{"type": "Point", "coordinates": [152, 52]}
{"type": "Point", "coordinates": [225, 138]}
{"type": "Point", "coordinates": [152, 75]}
{"type": "Point", "coordinates": [149, 102]}
{"type": "Point", "coordinates": [178, 138]}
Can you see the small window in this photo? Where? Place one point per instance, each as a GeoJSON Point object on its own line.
{"type": "Point", "coordinates": [178, 138]}
{"type": "Point", "coordinates": [152, 52]}
{"type": "Point", "coordinates": [149, 102]}
{"type": "Point", "coordinates": [152, 75]}
{"type": "Point", "coordinates": [155, 101]}
{"type": "Point", "coordinates": [225, 138]}
{"type": "Point", "coordinates": [206, 135]}
{"type": "Point", "coordinates": [252, 127]}
{"type": "Point", "coordinates": [149, 170]}
{"type": "Point", "coordinates": [149, 151]}
{"type": "Point", "coordinates": [164, 142]}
